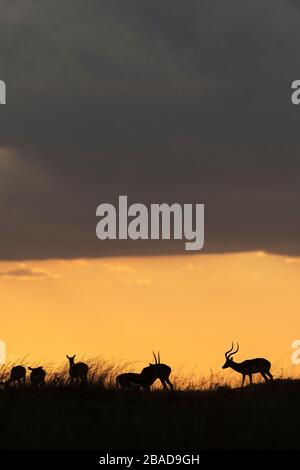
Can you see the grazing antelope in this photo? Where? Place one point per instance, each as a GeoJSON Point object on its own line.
{"type": "Point", "coordinates": [37, 376]}
{"type": "Point", "coordinates": [157, 371]}
{"type": "Point", "coordinates": [249, 367]}
{"type": "Point", "coordinates": [132, 381]}
{"type": "Point", "coordinates": [77, 371]}
{"type": "Point", "coordinates": [17, 374]}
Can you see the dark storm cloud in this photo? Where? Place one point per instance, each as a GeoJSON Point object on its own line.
{"type": "Point", "coordinates": [163, 101]}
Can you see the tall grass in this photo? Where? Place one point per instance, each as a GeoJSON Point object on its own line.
{"type": "Point", "coordinates": [202, 413]}
{"type": "Point", "coordinates": [103, 373]}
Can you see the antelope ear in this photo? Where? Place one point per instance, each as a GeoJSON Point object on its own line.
{"type": "Point", "coordinates": [67, 356]}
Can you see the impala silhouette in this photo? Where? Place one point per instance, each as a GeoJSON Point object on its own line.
{"type": "Point", "coordinates": [17, 375]}
{"type": "Point", "coordinates": [78, 371]}
{"type": "Point", "coordinates": [37, 376]}
{"type": "Point", "coordinates": [158, 371]}
{"type": "Point", "coordinates": [131, 381]}
{"type": "Point", "coordinates": [249, 367]}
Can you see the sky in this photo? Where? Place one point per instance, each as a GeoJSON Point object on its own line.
{"type": "Point", "coordinates": [121, 309]}
{"type": "Point", "coordinates": [163, 102]}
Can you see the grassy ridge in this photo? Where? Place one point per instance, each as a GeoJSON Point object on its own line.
{"type": "Point", "coordinates": [60, 416]}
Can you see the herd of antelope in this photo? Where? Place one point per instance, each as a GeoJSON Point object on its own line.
{"type": "Point", "coordinates": [78, 372]}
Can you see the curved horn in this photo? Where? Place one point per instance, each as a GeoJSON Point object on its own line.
{"type": "Point", "coordinates": [158, 358]}
{"type": "Point", "coordinates": [227, 352]}
{"type": "Point", "coordinates": [154, 357]}
{"type": "Point", "coordinates": [234, 352]}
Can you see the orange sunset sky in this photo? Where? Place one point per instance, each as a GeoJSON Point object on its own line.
{"type": "Point", "coordinates": [188, 307]}
{"type": "Point", "coordinates": [164, 102]}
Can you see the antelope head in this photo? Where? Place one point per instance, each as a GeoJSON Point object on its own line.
{"type": "Point", "coordinates": [71, 359]}
{"type": "Point", "coordinates": [228, 356]}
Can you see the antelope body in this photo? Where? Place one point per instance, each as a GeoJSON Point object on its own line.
{"type": "Point", "coordinates": [78, 371]}
{"type": "Point", "coordinates": [37, 376]}
{"type": "Point", "coordinates": [251, 366]}
{"type": "Point", "coordinates": [17, 374]}
{"type": "Point", "coordinates": [131, 381]}
{"type": "Point", "coordinates": [158, 371]}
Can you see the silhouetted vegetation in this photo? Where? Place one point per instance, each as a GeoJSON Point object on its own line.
{"type": "Point", "coordinates": [60, 415]}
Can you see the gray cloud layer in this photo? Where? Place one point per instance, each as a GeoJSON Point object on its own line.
{"type": "Point", "coordinates": [24, 274]}
{"type": "Point", "coordinates": [163, 101]}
